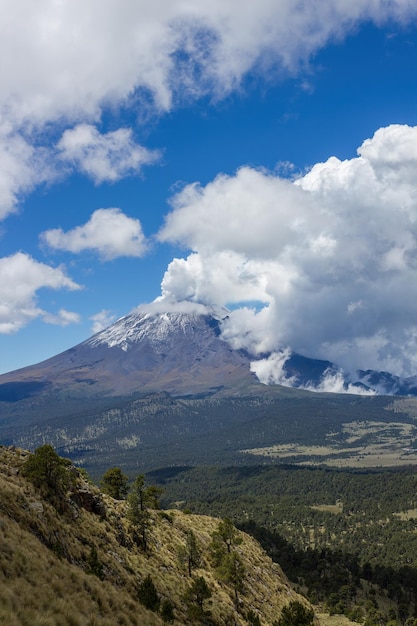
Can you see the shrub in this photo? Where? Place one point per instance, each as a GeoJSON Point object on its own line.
{"type": "Point", "coordinates": [95, 566]}
{"type": "Point", "coordinates": [295, 614]}
{"type": "Point", "coordinates": [253, 619]}
{"type": "Point", "coordinates": [167, 611]}
{"type": "Point", "coordinates": [148, 595]}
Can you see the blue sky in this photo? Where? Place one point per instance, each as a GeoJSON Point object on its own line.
{"type": "Point", "coordinates": [242, 122]}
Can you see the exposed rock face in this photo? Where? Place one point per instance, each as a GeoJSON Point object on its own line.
{"type": "Point", "coordinates": [386, 383]}
{"type": "Point", "coordinates": [91, 502]}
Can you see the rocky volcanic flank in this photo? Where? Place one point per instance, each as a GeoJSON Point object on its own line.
{"type": "Point", "coordinates": [180, 353]}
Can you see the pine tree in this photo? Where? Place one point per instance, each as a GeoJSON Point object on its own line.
{"type": "Point", "coordinates": [195, 598]}
{"type": "Point", "coordinates": [190, 553]}
{"type": "Point", "coordinates": [49, 473]}
{"type": "Point", "coordinates": [114, 483]}
{"type": "Point", "coordinates": [227, 533]}
{"type": "Point", "coordinates": [232, 571]}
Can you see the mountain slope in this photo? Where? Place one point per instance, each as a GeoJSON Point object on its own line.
{"type": "Point", "coordinates": [62, 564]}
{"type": "Point", "coordinates": [181, 353]}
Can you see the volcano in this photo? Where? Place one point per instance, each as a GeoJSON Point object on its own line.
{"type": "Point", "coordinates": [163, 387]}
{"type": "Point", "coordinates": [148, 378]}
{"type": "Point", "coordinates": [176, 352]}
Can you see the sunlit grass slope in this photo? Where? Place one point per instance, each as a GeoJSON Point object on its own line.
{"type": "Point", "coordinates": [61, 564]}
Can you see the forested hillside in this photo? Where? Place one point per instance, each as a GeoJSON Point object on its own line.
{"type": "Point", "coordinates": [348, 537]}
{"type": "Point", "coordinates": [71, 555]}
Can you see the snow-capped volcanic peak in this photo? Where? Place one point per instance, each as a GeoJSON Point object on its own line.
{"type": "Point", "coordinates": [149, 324]}
{"type": "Point", "coordinates": [174, 349]}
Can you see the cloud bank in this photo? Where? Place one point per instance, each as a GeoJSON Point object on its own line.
{"type": "Point", "coordinates": [330, 257]}
{"type": "Point", "coordinates": [72, 58]}
{"type": "Point", "coordinates": [71, 61]}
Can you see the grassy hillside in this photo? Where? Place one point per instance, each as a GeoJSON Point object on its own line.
{"type": "Point", "coordinates": [72, 558]}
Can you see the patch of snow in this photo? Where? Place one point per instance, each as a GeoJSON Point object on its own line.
{"type": "Point", "coordinates": [154, 324]}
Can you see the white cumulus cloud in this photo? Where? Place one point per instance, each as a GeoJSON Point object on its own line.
{"type": "Point", "coordinates": [103, 157]}
{"type": "Point", "coordinates": [70, 58]}
{"type": "Point", "coordinates": [22, 168]}
{"type": "Point", "coordinates": [67, 62]}
{"type": "Point", "coordinates": [333, 382]}
{"type": "Point", "coordinates": [271, 369]}
{"type": "Point", "coordinates": [251, 223]}
{"type": "Point", "coordinates": [62, 318]}
{"type": "Point", "coordinates": [332, 255]}
{"type": "Point", "coordinates": [21, 277]}
{"type": "Point", "coordinates": [109, 232]}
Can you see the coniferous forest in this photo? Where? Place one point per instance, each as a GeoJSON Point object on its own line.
{"type": "Point", "coordinates": [348, 539]}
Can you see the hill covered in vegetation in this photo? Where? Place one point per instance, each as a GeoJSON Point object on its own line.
{"type": "Point", "coordinates": [73, 556]}
{"type": "Point", "coordinates": [347, 537]}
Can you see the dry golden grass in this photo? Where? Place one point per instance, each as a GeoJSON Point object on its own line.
{"type": "Point", "coordinates": [44, 563]}
{"type": "Point", "coordinates": [334, 620]}
{"type": "Point", "coordinates": [404, 405]}
{"type": "Point", "coordinates": [336, 509]}
{"type": "Point", "coordinates": [367, 444]}
{"type": "Point", "coordinates": [407, 515]}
